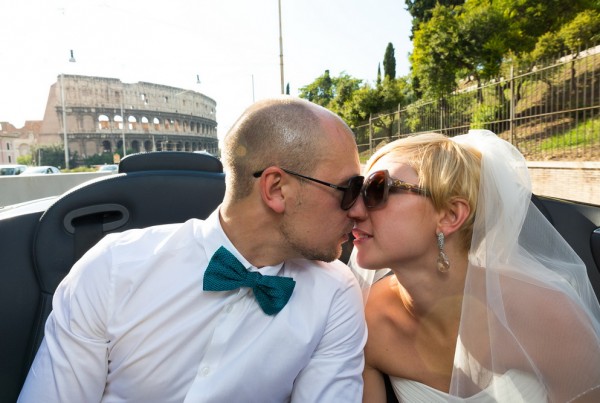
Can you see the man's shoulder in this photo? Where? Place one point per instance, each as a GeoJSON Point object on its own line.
{"type": "Point", "coordinates": [155, 233]}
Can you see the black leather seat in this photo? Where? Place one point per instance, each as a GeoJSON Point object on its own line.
{"type": "Point", "coordinates": [150, 189]}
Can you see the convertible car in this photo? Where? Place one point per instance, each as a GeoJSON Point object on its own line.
{"type": "Point", "coordinates": [40, 243]}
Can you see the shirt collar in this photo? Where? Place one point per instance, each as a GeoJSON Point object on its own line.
{"type": "Point", "coordinates": [215, 237]}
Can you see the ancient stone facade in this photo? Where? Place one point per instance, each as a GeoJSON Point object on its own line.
{"type": "Point", "coordinates": [102, 113]}
{"type": "Point", "coordinates": [16, 142]}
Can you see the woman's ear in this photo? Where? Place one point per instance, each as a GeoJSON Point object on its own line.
{"type": "Point", "coordinates": [454, 216]}
{"type": "Point", "coordinates": [272, 190]}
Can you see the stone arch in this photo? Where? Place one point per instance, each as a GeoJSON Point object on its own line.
{"type": "Point", "coordinates": [106, 146]}
{"type": "Point", "coordinates": [145, 124]}
{"type": "Point", "coordinates": [103, 122]}
{"type": "Point", "coordinates": [118, 119]}
{"type": "Point", "coordinates": [132, 122]}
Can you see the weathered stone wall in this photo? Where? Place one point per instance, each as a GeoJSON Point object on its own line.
{"type": "Point", "coordinates": [101, 113]}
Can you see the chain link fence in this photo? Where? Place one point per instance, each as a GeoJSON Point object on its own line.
{"type": "Point", "coordinates": [549, 112]}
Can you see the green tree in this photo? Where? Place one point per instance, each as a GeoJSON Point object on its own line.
{"type": "Point", "coordinates": [531, 19]}
{"type": "Point", "coordinates": [99, 159]}
{"type": "Point", "coordinates": [320, 91]}
{"type": "Point", "coordinates": [436, 53]}
{"type": "Point", "coordinates": [25, 160]}
{"type": "Point", "coordinates": [330, 92]}
{"type": "Point", "coordinates": [389, 62]}
{"type": "Point", "coordinates": [368, 101]}
{"type": "Point", "coordinates": [581, 31]}
{"type": "Point", "coordinates": [52, 155]}
{"type": "Point", "coordinates": [421, 10]}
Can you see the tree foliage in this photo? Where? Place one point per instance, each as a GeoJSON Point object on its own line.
{"type": "Point", "coordinates": [473, 40]}
{"type": "Point", "coordinates": [458, 41]}
{"type": "Point", "coordinates": [53, 155]}
{"type": "Point", "coordinates": [356, 101]}
{"type": "Point", "coordinates": [389, 62]}
{"type": "Point", "coordinates": [421, 10]}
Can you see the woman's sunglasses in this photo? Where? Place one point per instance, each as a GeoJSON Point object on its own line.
{"type": "Point", "coordinates": [378, 186]}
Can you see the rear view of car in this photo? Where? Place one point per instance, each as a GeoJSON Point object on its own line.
{"type": "Point", "coordinates": [12, 169]}
{"type": "Point", "coordinates": [41, 170]}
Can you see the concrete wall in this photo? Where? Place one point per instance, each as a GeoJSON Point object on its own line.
{"type": "Point", "coordinates": [578, 181]}
{"type": "Point", "coordinates": [18, 189]}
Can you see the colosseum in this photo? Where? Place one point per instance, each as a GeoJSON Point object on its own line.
{"type": "Point", "coordinates": [102, 114]}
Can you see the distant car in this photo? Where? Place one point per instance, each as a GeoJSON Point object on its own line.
{"type": "Point", "coordinates": [12, 169]}
{"type": "Point", "coordinates": [109, 168]}
{"type": "Point", "coordinates": [41, 170]}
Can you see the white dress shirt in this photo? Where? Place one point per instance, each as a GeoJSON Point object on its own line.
{"type": "Point", "coordinates": [131, 323]}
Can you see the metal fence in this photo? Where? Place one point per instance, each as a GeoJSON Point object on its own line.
{"type": "Point", "coordinates": [549, 112]}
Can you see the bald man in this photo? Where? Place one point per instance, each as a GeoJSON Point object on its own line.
{"type": "Point", "coordinates": [249, 305]}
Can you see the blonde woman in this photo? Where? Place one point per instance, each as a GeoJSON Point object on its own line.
{"type": "Point", "coordinates": [487, 303]}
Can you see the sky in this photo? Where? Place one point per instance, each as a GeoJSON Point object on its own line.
{"type": "Point", "coordinates": [232, 46]}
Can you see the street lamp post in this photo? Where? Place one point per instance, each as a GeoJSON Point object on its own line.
{"type": "Point", "coordinates": [123, 120]}
{"type": "Point", "coordinates": [64, 114]}
{"type": "Point", "coordinates": [64, 118]}
{"type": "Point", "coordinates": [280, 49]}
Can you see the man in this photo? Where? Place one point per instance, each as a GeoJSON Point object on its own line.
{"type": "Point", "coordinates": [179, 312]}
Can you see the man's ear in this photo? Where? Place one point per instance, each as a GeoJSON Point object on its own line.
{"type": "Point", "coordinates": [271, 189]}
{"type": "Point", "coordinates": [454, 216]}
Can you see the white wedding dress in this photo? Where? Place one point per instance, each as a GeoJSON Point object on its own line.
{"type": "Point", "coordinates": [513, 386]}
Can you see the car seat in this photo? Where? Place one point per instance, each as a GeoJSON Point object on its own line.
{"type": "Point", "coordinates": [149, 189]}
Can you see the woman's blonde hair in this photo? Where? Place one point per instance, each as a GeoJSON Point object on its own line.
{"type": "Point", "coordinates": [448, 170]}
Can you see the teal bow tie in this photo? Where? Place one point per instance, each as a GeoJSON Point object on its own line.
{"type": "Point", "coordinates": [225, 272]}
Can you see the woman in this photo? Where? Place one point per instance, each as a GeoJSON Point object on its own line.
{"type": "Point", "coordinates": [486, 302]}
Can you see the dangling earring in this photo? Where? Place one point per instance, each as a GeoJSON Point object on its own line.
{"type": "Point", "coordinates": [443, 264]}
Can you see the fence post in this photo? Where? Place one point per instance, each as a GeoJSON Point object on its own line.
{"type": "Point", "coordinates": [441, 107]}
{"type": "Point", "coordinates": [398, 119]}
{"type": "Point", "coordinates": [370, 134]}
{"type": "Point", "coordinates": [512, 105]}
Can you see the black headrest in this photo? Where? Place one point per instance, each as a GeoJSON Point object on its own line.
{"type": "Point", "coordinates": [116, 203]}
{"type": "Point", "coordinates": [169, 161]}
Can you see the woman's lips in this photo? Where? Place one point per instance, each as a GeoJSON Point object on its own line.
{"type": "Point", "coordinates": [360, 236]}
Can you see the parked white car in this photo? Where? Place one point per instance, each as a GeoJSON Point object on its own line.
{"type": "Point", "coordinates": [41, 170]}
{"type": "Point", "coordinates": [12, 169]}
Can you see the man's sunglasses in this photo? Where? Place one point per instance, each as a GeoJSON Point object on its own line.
{"type": "Point", "coordinates": [351, 190]}
{"type": "Point", "coordinates": [378, 186]}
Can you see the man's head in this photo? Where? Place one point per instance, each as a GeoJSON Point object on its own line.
{"type": "Point", "coordinates": [281, 135]}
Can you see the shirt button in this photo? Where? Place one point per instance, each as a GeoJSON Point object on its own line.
{"type": "Point", "coordinates": [229, 308]}
{"type": "Point", "coordinates": [205, 371]}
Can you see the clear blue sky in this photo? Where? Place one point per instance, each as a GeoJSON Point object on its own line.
{"type": "Point", "coordinates": [233, 45]}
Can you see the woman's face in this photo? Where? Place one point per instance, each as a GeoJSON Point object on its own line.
{"type": "Point", "coordinates": [401, 233]}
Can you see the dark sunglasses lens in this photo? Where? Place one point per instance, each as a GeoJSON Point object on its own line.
{"type": "Point", "coordinates": [352, 192]}
{"type": "Point", "coordinates": [374, 192]}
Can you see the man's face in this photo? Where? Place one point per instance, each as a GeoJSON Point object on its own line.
{"type": "Point", "coordinates": [315, 227]}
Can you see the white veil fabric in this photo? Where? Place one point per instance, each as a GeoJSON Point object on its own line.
{"type": "Point", "coordinates": [528, 303]}
{"type": "Point", "coordinates": [529, 309]}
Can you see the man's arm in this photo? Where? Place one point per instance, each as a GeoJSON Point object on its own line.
{"type": "Point", "coordinates": [71, 364]}
{"type": "Point", "coordinates": [334, 373]}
